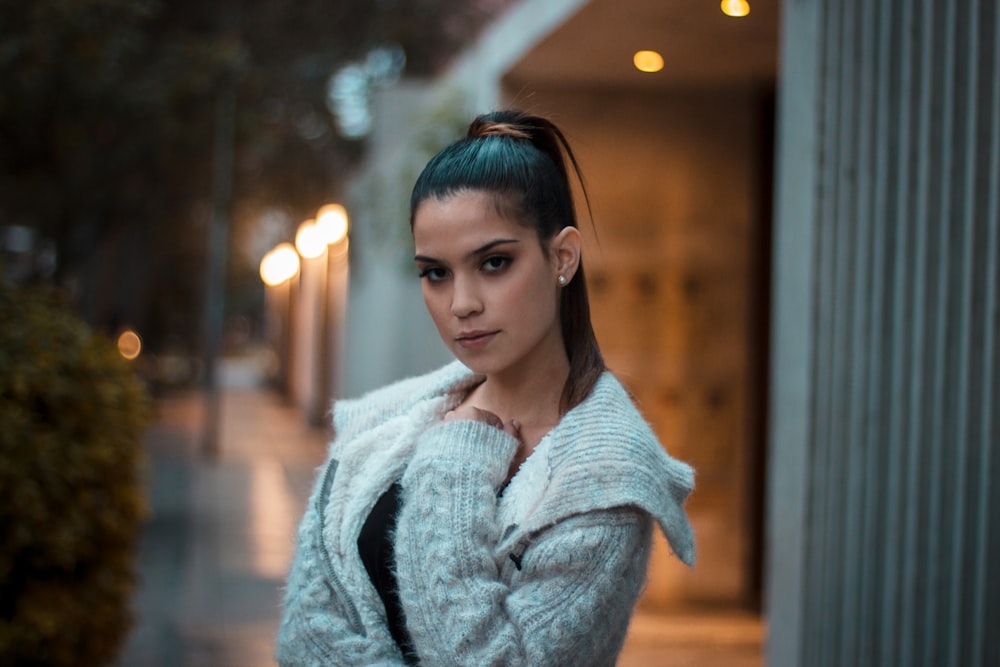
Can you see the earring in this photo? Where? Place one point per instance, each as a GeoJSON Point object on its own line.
{"type": "Point", "coordinates": [562, 280]}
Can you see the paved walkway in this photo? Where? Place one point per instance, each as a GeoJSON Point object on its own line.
{"type": "Point", "coordinates": [220, 537]}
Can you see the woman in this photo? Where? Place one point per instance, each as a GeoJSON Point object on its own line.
{"type": "Point", "coordinates": [497, 511]}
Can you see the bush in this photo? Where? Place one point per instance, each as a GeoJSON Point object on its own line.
{"type": "Point", "coordinates": [72, 415]}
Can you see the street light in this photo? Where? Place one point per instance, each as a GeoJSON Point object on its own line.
{"type": "Point", "coordinates": [329, 228]}
{"type": "Point", "coordinates": [332, 223]}
{"type": "Point", "coordinates": [279, 265]}
{"type": "Point", "coordinates": [308, 312]}
{"type": "Point", "coordinates": [309, 240]}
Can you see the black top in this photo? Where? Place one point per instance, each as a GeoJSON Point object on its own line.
{"type": "Point", "coordinates": [378, 555]}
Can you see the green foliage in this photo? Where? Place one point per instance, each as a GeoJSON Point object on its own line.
{"type": "Point", "coordinates": [71, 417]}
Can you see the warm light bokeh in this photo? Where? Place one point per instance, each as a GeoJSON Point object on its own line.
{"type": "Point", "coordinates": [648, 61]}
{"type": "Point", "coordinates": [309, 240]}
{"type": "Point", "coordinates": [331, 221]}
{"type": "Point", "coordinates": [735, 8]}
{"type": "Point", "coordinates": [129, 344]}
{"type": "Point", "coordinates": [279, 265]}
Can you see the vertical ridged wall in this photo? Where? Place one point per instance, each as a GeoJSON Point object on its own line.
{"type": "Point", "coordinates": [902, 523]}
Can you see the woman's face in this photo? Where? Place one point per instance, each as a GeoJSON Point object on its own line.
{"type": "Point", "coordinates": [489, 287]}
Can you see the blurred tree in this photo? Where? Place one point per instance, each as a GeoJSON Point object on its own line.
{"type": "Point", "coordinates": [102, 134]}
{"type": "Point", "coordinates": [107, 123]}
{"type": "Point", "coordinates": [73, 415]}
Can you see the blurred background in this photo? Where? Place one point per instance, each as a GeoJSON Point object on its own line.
{"type": "Point", "coordinates": [132, 129]}
{"type": "Point", "coordinates": [793, 266]}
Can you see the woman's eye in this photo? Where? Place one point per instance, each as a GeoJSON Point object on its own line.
{"type": "Point", "coordinates": [495, 263]}
{"type": "Point", "coordinates": [433, 274]}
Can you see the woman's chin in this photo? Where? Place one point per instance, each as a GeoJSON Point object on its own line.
{"type": "Point", "coordinates": [477, 363]}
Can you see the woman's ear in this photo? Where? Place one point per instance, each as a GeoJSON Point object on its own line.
{"type": "Point", "coordinates": [566, 247]}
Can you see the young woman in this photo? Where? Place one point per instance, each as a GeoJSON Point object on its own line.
{"type": "Point", "coordinates": [497, 511]}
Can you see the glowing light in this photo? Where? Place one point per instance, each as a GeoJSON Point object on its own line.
{"type": "Point", "coordinates": [331, 221]}
{"type": "Point", "coordinates": [735, 8]}
{"type": "Point", "coordinates": [129, 344]}
{"type": "Point", "coordinates": [648, 61]}
{"type": "Point", "coordinates": [279, 265]}
{"type": "Point", "coordinates": [309, 240]}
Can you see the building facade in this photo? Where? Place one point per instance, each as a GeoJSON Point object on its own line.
{"type": "Point", "coordinates": [795, 269]}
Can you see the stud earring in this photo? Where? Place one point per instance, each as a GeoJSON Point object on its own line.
{"type": "Point", "coordinates": [562, 280]}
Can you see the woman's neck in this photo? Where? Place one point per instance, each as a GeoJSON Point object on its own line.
{"type": "Point", "coordinates": [531, 398]}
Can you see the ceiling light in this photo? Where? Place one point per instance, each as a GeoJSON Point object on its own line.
{"type": "Point", "coordinates": [735, 8]}
{"type": "Point", "coordinates": [648, 61]}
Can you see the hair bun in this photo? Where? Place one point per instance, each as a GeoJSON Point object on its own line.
{"type": "Point", "coordinates": [484, 127]}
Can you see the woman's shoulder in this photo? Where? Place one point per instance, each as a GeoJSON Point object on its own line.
{"type": "Point", "coordinates": [610, 424]}
{"type": "Point", "coordinates": [396, 398]}
{"type": "Point", "coordinates": [605, 454]}
{"type": "Point", "coordinates": [610, 408]}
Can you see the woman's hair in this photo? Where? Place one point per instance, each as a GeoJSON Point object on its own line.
{"type": "Point", "coordinates": [518, 158]}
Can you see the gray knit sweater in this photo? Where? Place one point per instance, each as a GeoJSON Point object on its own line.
{"type": "Point", "coordinates": [546, 575]}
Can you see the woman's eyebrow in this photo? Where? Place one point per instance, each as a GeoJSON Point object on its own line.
{"type": "Point", "coordinates": [478, 251]}
{"type": "Point", "coordinates": [489, 246]}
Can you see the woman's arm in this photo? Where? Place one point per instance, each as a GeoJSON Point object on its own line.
{"type": "Point", "coordinates": [577, 583]}
{"type": "Point", "coordinates": [320, 624]}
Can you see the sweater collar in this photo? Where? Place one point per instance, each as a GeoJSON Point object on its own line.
{"type": "Point", "coordinates": [603, 453]}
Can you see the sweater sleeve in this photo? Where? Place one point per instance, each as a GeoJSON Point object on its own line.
{"type": "Point", "coordinates": [320, 625]}
{"type": "Point", "coordinates": [577, 581]}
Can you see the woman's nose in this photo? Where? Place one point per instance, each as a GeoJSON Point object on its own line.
{"type": "Point", "coordinates": [465, 300]}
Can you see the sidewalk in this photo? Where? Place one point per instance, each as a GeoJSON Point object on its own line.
{"type": "Point", "coordinates": [220, 537]}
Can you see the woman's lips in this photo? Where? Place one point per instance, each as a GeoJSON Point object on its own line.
{"type": "Point", "coordinates": [474, 339]}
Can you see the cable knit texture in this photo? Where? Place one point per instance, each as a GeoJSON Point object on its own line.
{"type": "Point", "coordinates": [546, 575]}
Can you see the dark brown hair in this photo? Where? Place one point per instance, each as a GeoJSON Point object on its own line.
{"type": "Point", "coordinates": [519, 158]}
